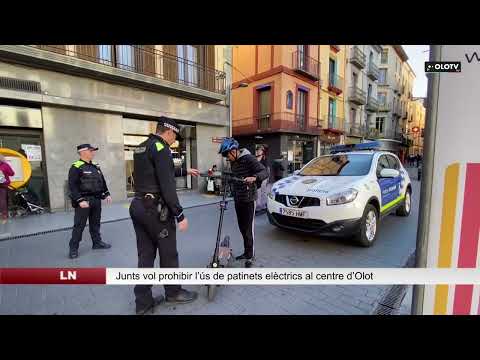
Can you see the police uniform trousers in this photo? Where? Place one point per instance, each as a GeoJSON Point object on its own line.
{"type": "Point", "coordinates": [93, 213]}
{"type": "Point", "coordinates": [148, 229]}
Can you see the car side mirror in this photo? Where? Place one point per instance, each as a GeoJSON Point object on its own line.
{"type": "Point", "coordinates": [296, 172]}
{"type": "Point", "coordinates": [389, 173]}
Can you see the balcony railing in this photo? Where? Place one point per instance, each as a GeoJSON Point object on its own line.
{"type": "Point", "coordinates": [373, 72]}
{"type": "Point", "coordinates": [357, 96]}
{"type": "Point", "coordinates": [333, 122]}
{"type": "Point", "coordinates": [372, 104]}
{"type": "Point", "coordinates": [354, 129]}
{"type": "Point", "coordinates": [384, 107]}
{"type": "Point", "coordinates": [374, 133]}
{"type": "Point", "coordinates": [335, 84]}
{"type": "Point", "coordinates": [146, 60]}
{"type": "Point", "coordinates": [277, 122]}
{"type": "Point", "coordinates": [358, 57]}
{"type": "Point", "coordinates": [306, 65]}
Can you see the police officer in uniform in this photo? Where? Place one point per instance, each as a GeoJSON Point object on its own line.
{"type": "Point", "coordinates": [87, 190]}
{"type": "Point", "coordinates": [155, 210]}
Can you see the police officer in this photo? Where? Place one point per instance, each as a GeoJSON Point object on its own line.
{"type": "Point", "coordinates": [154, 211]}
{"type": "Point", "coordinates": [87, 190]}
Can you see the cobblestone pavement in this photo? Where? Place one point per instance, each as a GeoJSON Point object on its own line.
{"type": "Point", "coordinates": [274, 247]}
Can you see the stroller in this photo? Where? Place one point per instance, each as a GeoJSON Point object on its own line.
{"type": "Point", "coordinates": [24, 202]}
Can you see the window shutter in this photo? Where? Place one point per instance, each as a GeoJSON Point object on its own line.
{"type": "Point", "coordinates": [170, 65]}
{"type": "Point", "coordinates": [87, 52]}
{"type": "Point", "coordinates": [210, 67]}
{"type": "Point", "coordinates": [60, 49]}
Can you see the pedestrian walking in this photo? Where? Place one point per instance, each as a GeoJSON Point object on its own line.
{"type": "Point", "coordinates": [154, 211]}
{"type": "Point", "coordinates": [261, 155]}
{"type": "Point", "coordinates": [5, 172]}
{"type": "Point", "coordinates": [244, 165]}
{"type": "Point", "coordinates": [88, 188]}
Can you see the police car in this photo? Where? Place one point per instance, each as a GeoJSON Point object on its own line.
{"type": "Point", "coordinates": [345, 193]}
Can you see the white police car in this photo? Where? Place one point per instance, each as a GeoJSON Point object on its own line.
{"type": "Point", "coordinates": [345, 193]}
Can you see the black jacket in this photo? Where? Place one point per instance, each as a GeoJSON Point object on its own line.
{"type": "Point", "coordinates": [247, 165]}
{"type": "Point", "coordinates": [86, 179]}
{"type": "Point", "coordinates": [154, 172]}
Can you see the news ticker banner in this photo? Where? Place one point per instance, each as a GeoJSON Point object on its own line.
{"type": "Point", "coordinates": [238, 276]}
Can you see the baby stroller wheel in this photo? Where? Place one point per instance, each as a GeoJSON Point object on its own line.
{"type": "Point", "coordinates": [211, 292]}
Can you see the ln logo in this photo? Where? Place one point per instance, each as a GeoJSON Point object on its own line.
{"type": "Point", "coordinates": [443, 66]}
{"type": "Point", "coordinates": [71, 275]}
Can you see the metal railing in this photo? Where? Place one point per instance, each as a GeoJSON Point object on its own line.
{"type": "Point", "coordinates": [373, 71]}
{"type": "Point", "coordinates": [385, 134]}
{"type": "Point", "coordinates": [354, 129]}
{"type": "Point", "coordinates": [334, 122]}
{"type": "Point", "coordinates": [384, 106]}
{"type": "Point", "coordinates": [146, 60]}
{"type": "Point", "coordinates": [306, 64]}
{"type": "Point", "coordinates": [357, 95]}
{"type": "Point", "coordinates": [358, 57]}
{"type": "Point", "coordinates": [372, 104]}
{"type": "Point", "coordinates": [277, 122]}
{"type": "Point", "coordinates": [335, 83]}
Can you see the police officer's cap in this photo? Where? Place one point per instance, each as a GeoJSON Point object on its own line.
{"type": "Point", "coordinates": [170, 123]}
{"type": "Point", "coordinates": [83, 147]}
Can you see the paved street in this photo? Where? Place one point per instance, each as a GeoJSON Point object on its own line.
{"type": "Point", "coordinates": [274, 247]}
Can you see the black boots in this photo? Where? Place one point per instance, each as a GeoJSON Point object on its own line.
{"type": "Point", "coordinates": [143, 309]}
{"type": "Point", "coordinates": [182, 297]}
{"type": "Point", "coordinates": [101, 245]}
{"type": "Point", "coordinates": [73, 254]}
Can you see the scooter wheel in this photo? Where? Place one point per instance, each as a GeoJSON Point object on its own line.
{"type": "Point", "coordinates": [211, 292]}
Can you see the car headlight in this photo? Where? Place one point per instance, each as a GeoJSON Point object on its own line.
{"type": "Point", "coordinates": [343, 197]}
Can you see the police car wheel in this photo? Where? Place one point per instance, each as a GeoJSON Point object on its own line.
{"type": "Point", "coordinates": [368, 227]}
{"type": "Point", "coordinates": [406, 207]}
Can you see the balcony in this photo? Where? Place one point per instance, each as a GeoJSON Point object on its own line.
{"type": "Point", "coordinates": [277, 122]}
{"type": "Point", "coordinates": [139, 65]}
{"type": "Point", "coordinates": [396, 87]}
{"type": "Point", "coordinates": [373, 72]}
{"type": "Point", "coordinates": [306, 65]}
{"type": "Point", "coordinates": [335, 84]}
{"type": "Point", "coordinates": [357, 57]}
{"type": "Point", "coordinates": [384, 107]}
{"type": "Point", "coordinates": [335, 48]}
{"type": "Point", "coordinates": [373, 133]}
{"type": "Point", "coordinates": [357, 96]}
{"type": "Point", "coordinates": [354, 129]}
{"type": "Point", "coordinates": [372, 104]}
{"type": "Point", "coordinates": [334, 122]}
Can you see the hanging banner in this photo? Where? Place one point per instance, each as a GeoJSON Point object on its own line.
{"type": "Point", "coordinates": [452, 225]}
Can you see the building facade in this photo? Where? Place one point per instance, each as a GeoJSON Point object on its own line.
{"type": "Point", "coordinates": [416, 126]}
{"type": "Point", "coordinates": [58, 96]}
{"type": "Point", "coordinates": [289, 97]}
{"type": "Point", "coordinates": [394, 85]}
{"type": "Point", "coordinates": [362, 78]}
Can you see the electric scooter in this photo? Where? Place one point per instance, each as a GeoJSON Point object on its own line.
{"type": "Point", "coordinates": [223, 254]}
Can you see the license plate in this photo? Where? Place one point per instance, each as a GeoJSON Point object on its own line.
{"type": "Point", "coordinates": [294, 212]}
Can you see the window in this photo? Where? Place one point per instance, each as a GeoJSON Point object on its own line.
{"type": "Point", "coordinates": [331, 113]}
{"type": "Point", "coordinates": [370, 58]}
{"type": "Point", "coordinates": [382, 98]}
{"type": "Point", "coordinates": [188, 58]}
{"type": "Point", "coordinates": [289, 100]}
{"type": "Point", "coordinates": [382, 78]}
{"type": "Point", "coordinates": [301, 108]}
{"type": "Point", "coordinates": [384, 59]}
{"type": "Point", "coordinates": [125, 57]}
{"type": "Point", "coordinates": [302, 54]}
{"type": "Point", "coordinates": [355, 79]}
{"type": "Point", "coordinates": [379, 125]}
{"type": "Point", "coordinates": [332, 68]}
{"type": "Point", "coordinates": [369, 91]}
{"type": "Point", "coordinates": [339, 165]}
{"type": "Point", "coordinates": [393, 162]}
{"type": "Point", "coordinates": [353, 115]}
{"type": "Point", "coordinates": [264, 107]}
{"type": "Point", "coordinates": [105, 54]}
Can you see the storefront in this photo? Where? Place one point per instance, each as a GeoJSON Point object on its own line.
{"type": "Point", "coordinates": [329, 138]}
{"type": "Point", "coordinates": [136, 131]}
{"type": "Point", "coordinates": [21, 131]}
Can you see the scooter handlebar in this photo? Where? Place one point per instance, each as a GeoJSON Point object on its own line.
{"type": "Point", "coordinates": [228, 175]}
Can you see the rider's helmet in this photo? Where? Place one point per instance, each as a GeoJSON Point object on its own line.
{"type": "Point", "coordinates": [227, 145]}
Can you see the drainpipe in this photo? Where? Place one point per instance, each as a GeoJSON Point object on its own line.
{"type": "Point", "coordinates": [319, 144]}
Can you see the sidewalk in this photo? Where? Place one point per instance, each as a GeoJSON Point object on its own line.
{"type": "Point", "coordinates": [35, 224]}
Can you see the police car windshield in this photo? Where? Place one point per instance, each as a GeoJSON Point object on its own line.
{"type": "Point", "coordinates": [339, 165]}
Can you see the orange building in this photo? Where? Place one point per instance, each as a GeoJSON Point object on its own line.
{"type": "Point", "coordinates": [285, 97]}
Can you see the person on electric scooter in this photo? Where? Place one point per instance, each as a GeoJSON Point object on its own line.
{"type": "Point", "coordinates": [244, 165]}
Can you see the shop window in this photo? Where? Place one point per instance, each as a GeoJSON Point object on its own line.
{"type": "Point", "coordinates": [289, 100]}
